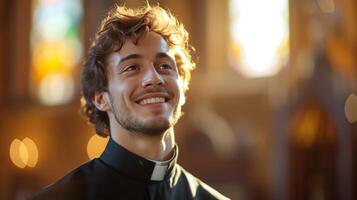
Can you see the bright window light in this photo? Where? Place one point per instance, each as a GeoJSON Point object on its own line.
{"type": "Point", "coordinates": [259, 42]}
{"type": "Point", "coordinates": [56, 49]}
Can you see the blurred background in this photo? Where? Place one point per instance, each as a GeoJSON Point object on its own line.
{"type": "Point", "coordinates": [271, 112]}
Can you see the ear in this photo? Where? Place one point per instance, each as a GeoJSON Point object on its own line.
{"type": "Point", "coordinates": [101, 101]}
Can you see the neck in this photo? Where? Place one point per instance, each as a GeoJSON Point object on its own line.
{"type": "Point", "coordinates": [158, 147]}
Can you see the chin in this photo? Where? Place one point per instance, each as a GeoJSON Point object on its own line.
{"type": "Point", "coordinates": [156, 126]}
{"type": "Point", "coordinates": [155, 129]}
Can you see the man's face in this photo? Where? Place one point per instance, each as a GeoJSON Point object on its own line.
{"type": "Point", "coordinates": [144, 87]}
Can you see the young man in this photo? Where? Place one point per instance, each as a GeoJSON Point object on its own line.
{"type": "Point", "coordinates": [134, 80]}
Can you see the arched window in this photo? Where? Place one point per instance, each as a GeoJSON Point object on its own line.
{"type": "Point", "coordinates": [56, 49]}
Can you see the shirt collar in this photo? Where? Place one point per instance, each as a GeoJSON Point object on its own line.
{"type": "Point", "coordinates": [136, 166]}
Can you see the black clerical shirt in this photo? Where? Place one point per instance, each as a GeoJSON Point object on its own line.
{"type": "Point", "coordinates": [121, 174]}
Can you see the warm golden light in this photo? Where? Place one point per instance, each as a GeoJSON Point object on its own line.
{"type": "Point", "coordinates": [259, 36]}
{"type": "Point", "coordinates": [56, 89]}
{"type": "Point", "coordinates": [56, 49]}
{"type": "Point", "coordinates": [24, 153]}
{"type": "Point", "coordinates": [306, 132]}
{"type": "Point", "coordinates": [32, 152]}
{"type": "Point", "coordinates": [52, 58]}
{"type": "Point", "coordinates": [96, 146]}
{"type": "Point", "coordinates": [15, 153]}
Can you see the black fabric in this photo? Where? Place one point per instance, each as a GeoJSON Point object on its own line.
{"type": "Point", "coordinates": [120, 174]}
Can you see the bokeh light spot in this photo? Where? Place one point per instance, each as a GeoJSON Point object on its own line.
{"type": "Point", "coordinates": [24, 153]}
{"type": "Point", "coordinates": [15, 153]}
{"type": "Point", "coordinates": [351, 108]}
{"type": "Point", "coordinates": [96, 146]}
{"type": "Point", "coordinates": [32, 152]}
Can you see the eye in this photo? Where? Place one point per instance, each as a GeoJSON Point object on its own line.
{"type": "Point", "coordinates": [166, 66]}
{"type": "Point", "coordinates": [131, 68]}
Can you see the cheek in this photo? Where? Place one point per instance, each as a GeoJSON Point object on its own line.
{"type": "Point", "coordinates": [120, 91]}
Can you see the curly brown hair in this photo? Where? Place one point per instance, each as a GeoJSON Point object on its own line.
{"type": "Point", "coordinates": [123, 23]}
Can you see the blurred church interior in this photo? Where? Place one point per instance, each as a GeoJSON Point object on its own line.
{"type": "Point", "coordinates": [271, 112]}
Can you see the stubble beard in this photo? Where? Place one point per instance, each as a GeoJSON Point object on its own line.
{"type": "Point", "coordinates": [133, 124]}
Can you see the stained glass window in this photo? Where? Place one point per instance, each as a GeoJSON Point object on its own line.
{"type": "Point", "coordinates": [259, 36]}
{"type": "Point", "coordinates": [56, 49]}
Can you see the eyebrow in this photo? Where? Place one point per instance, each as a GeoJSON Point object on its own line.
{"type": "Point", "coordinates": [136, 56]}
{"type": "Point", "coordinates": [131, 56]}
{"type": "Point", "coordinates": [163, 55]}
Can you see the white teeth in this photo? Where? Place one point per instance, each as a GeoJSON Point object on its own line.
{"type": "Point", "coordinates": [152, 100]}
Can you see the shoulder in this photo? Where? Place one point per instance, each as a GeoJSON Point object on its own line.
{"type": "Point", "coordinates": [70, 186]}
{"type": "Point", "coordinates": [199, 189]}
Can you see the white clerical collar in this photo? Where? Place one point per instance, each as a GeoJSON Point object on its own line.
{"type": "Point", "coordinates": [158, 174]}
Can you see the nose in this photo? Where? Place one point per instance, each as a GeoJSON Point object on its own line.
{"type": "Point", "coordinates": [152, 78]}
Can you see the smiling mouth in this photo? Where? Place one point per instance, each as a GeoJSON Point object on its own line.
{"type": "Point", "coordinates": [154, 100]}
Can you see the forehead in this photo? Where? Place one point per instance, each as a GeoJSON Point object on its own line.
{"type": "Point", "coordinates": [148, 45]}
